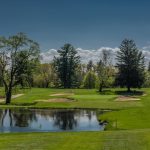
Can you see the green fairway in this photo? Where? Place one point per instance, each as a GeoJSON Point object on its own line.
{"type": "Point", "coordinates": [83, 98]}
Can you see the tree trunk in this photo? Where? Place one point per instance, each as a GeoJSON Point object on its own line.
{"type": "Point", "coordinates": [8, 96]}
{"type": "Point", "coordinates": [100, 88]}
{"type": "Point", "coordinates": [129, 90]}
{"type": "Point", "coordinates": [47, 85]}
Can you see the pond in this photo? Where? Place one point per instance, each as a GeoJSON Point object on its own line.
{"type": "Point", "coordinates": [48, 120]}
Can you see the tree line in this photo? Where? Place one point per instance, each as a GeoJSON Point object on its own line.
{"type": "Point", "coordinates": [20, 66]}
{"type": "Point", "coordinates": [66, 70]}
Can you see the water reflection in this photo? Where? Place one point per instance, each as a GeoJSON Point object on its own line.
{"type": "Point", "coordinates": [26, 120]}
{"type": "Point", "coordinates": [65, 120]}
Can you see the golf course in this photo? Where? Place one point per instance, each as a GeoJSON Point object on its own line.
{"type": "Point", "coordinates": [128, 119]}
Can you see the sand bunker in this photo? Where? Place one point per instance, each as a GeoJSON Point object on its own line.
{"type": "Point", "coordinates": [57, 100]}
{"type": "Point", "coordinates": [127, 98]}
{"type": "Point", "coordinates": [62, 94]}
{"type": "Point", "coordinates": [13, 97]}
{"type": "Point", "coordinates": [2, 99]}
{"type": "Point", "coordinates": [144, 94]}
{"type": "Point", "coordinates": [17, 95]}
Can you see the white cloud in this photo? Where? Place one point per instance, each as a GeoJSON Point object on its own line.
{"type": "Point", "coordinates": [48, 56]}
{"type": "Point", "coordinates": [90, 54]}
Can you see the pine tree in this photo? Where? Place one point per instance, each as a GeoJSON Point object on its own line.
{"type": "Point", "coordinates": [66, 65]}
{"type": "Point", "coordinates": [130, 65]}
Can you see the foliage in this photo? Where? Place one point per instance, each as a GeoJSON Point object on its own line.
{"type": "Point", "coordinates": [104, 69]}
{"type": "Point", "coordinates": [44, 76]}
{"type": "Point", "coordinates": [66, 65]}
{"type": "Point", "coordinates": [146, 83]}
{"type": "Point", "coordinates": [89, 80]}
{"type": "Point", "coordinates": [130, 65]}
{"type": "Point", "coordinates": [18, 56]}
{"type": "Point", "coordinates": [80, 74]}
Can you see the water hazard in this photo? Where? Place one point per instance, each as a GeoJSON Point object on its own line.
{"type": "Point", "coordinates": [48, 120]}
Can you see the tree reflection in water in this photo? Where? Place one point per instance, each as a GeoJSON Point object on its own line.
{"type": "Point", "coordinates": [65, 119]}
{"type": "Point", "coordinates": [23, 118]}
{"type": "Point", "coordinates": [3, 114]}
{"type": "Point", "coordinates": [19, 117]}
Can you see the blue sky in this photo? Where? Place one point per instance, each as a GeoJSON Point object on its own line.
{"type": "Point", "coordinates": [89, 24]}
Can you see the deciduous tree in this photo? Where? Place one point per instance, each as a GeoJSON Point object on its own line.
{"type": "Point", "coordinates": [18, 54]}
{"type": "Point", "coordinates": [104, 69]}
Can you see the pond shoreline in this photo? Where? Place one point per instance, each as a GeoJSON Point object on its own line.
{"type": "Point", "coordinates": [49, 107]}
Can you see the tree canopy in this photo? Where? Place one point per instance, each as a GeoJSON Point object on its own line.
{"type": "Point", "coordinates": [130, 63]}
{"type": "Point", "coordinates": [18, 56]}
{"type": "Point", "coordinates": [103, 69]}
{"type": "Point", "coordinates": [66, 64]}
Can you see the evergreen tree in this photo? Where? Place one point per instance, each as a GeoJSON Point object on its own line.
{"type": "Point", "coordinates": [66, 65]}
{"type": "Point", "coordinates": [130, 65]}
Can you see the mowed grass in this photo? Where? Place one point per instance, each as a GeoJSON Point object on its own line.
{"type": "Point", "coordinates": [109, 140]}
{"type": "Point", "coordinates": [83, 98]}
{"type": "Point", "coordinates": [131, 118]}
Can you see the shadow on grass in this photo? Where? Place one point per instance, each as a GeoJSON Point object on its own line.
{"type": "Point", "coordinates": [20, 104]}
{"type": "Point", "coordinates": [132, 93]}
{"type": "Point", "coordinates": [125, 93]}
{"type": "Point", "coordinates": [106, 92]}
